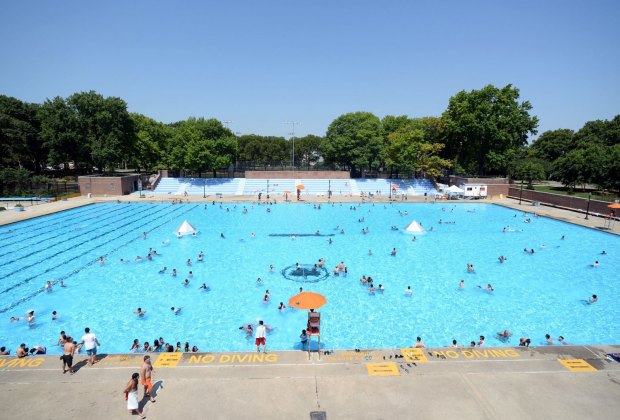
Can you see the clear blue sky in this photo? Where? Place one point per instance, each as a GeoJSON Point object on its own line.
{"type": "Point", "coordinates": [259, 63]}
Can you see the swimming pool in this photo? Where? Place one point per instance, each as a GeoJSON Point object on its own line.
{"type": "Point", "coordinates": [534, 294]}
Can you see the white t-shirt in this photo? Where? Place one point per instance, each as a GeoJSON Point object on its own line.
{"type": "Point", "coordinates": [261, 332]}
{"type": "Point", "coordinates": [89, 341]}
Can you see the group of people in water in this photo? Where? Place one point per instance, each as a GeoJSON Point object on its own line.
{"type": "Point", "coordinates": [160, 345]}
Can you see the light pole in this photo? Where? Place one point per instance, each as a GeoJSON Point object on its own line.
{"type": "Point", "coordinates": [588, 208]}
{"type": "Point", "coordinates": [292, 134]}
{"type": "Point", "coordinates": [521, 193]}
{"type": "Point", "coordinates": [204, 187]}
{"type": "Point", "coordinates": [236, 134]}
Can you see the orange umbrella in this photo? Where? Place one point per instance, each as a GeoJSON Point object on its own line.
{"type": "Point", "coordinates": [300, 187]}
{"type": "Point", "coordinates": [614, 206]}
{"type": "Point", "coordinates": [307, 300]}
{"type": "Point", "coordinates": [395, 186]}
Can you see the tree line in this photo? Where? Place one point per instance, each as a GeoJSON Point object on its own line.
{"type": "Point", "coordinates": [481, 132]}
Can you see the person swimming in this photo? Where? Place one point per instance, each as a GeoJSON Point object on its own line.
{"type": "Point", "coordinates": [186, 282]}
{"type": "Point", "coordinates": [462, 284]}
{"type": "Point", "coordinates": [163, 270]}
{"type": "Point", "coordinates": [393, 252]}
{"type": "Point", "coordinates": [408, 290]}
{"type": "Point", "coordinates": [204, 287]}
{"type": "Point", "coordinates": [140, 312]}
{"type": "Point", "coordinates": [174, 272]}
{"type": "Point", "coordinates": [282, 306]}
{"type": "Point", "coordinates": [593, 299]}
{"type": "Point", "coordinates": [176, 310]}
{"type": "Point", "coordinates": [259, 281]}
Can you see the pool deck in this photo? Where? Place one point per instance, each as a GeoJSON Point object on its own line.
{"type": "Point", "coordinates": [484, 383]}
{"type": "Point", "coordinates": [488, 383]}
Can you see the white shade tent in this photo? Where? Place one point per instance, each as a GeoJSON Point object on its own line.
{"type": "Point", "coordinates": [185, 228]}
{"type": "Point", "coordinates": [455, 190]}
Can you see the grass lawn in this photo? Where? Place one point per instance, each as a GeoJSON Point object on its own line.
{"type": "Point", "coordinates": [562, 190]}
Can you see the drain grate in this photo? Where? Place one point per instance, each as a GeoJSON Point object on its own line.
{"type": "Point", "coordinates": [318, 415]}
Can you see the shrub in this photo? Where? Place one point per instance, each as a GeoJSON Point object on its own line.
{"type": "Point", "coordinates": [18, 205]}
{"type": "Point", "coordinates": [2, 208]}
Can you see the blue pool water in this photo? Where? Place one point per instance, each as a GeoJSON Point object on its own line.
{"type": "Point", "coordinates": [534, 294]}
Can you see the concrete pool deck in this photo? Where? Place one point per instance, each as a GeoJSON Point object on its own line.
{"type": "Point", "coordinates": [488, 383]}
{"type": "Point", "coordinates": [569, 382]}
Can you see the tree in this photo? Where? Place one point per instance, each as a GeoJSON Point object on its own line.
{"type": "Point", "coordinates": [530, 170]}
{"type": "Point", "coordinates": [406, 150]}
{"type": "Point", "coordinates": [308, 149]}
{"type": "Point", "coordinates": [553, 144]}
{"type": "Point", "coordinates": [105, 126]}
{"type": "Point", "coordinates": [60, 133]}
{"type": "Point", "coordinates": [20, 143]}
{"type": "Point", "coordinates": [483, 121]}
{"type": "Point", "coordinates": [152, 139]}
{"type": "Point", "coordinates": [354, 141]}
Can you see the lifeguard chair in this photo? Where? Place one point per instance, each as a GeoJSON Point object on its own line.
{"type": "Point", "coordinates": [314, 330]}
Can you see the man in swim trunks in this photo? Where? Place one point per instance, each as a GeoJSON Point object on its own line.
{"type": "Point", "coordinates": [261, 337]}
{"type": "Point", "coordinates": [67, 357]}
{"type": "Point", "coordinates": [146, 371]}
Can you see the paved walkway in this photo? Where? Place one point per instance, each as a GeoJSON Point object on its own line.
{"type": "Point", "coordinates": [568, 382]}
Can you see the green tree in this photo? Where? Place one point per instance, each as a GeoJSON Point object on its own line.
{"type": "Point", "coordinates": [553, 144]}
{"type": "Point", "coordinates": [60, 133]}
{"type": "Point", "coordinates": [105, 126]}
{"type": "Point", "coordinates": [152, 142]}
{"type": "Point", "coordinates": [528, 169]}
{"type": "Point", "coordinates": [483, 121]}
{"type": "Point", "coordinates": [354, 141]}
{"type": "Point", "coordinates": [20, 143]}
{"type": "Point", "coordinates": [307, 150]}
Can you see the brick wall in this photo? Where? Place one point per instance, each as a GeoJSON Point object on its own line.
{"type": "Point", "coordinates": [298, 174]}
{"type": "Point", "coordinates": [102, 185]}
{"type": "Point", "coordinates": [560, 200]}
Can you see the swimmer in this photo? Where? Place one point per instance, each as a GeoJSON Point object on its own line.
{"type": "Point", "coordinates": [247, 328]}
{"type": "Point", "coordinates": [321, 262]}
{"type": "Point", "coordinates": [504, 335]}
{"type": "Point", "coordinates": [149, 257]}
{"type": "Point", "coordinates": [124, 260]}
{"type": "Point", "coordinates": [271, 268]}
{"type": "Point", "coordinates": [329, 241]}
{"type": "Point", "coordinates": [253, 235]}
{"type": "Point", "coordinates": [48, 286]}
{"type": "Point", "coordinates": [139, 312]}
{"type": "Point", "coordinates": [489, 288]}
{"type": "Point", "coordinates": [222, 236]}
{"type": "Point", "coordinates": [194, 234]}
{"type": "Point", "coordinates": [371, 289]}
{"type": "Point", "coordinates": [189, 261]}
{"type": "Point", "coordinates": [336, 271]}
{"type": "Point", "coordinates": [186, 282]}
{"type": "Point", "coordinates": [593, 299]}
{"type": "Point", "coordinates": [603, 252]}
{"type": "Point", "coordinates": [175, 310]}
{"type": "Point", "coordinates": [62, 284]}
{"type": "Point", "coordinates": [204, 287]}
{"type": "Point", "coordinates": [200, 256]}
{"type": "Point", "coordinates": [524, 342]}
{"type": "Point", "coordinates": [282, 306]}
{"type": "Point", "coordinates": [174, 272]}
{"type": "Point", "coordinates": [101, 260]}
{"type": "Point", "coordinates": [138, 258]}
{"type": "Point", "coordinates": [393, 252]}
{"type": "Point", "coordinates": [266, 298]}
{"type": "Point", "coordinates": [481, 341]}
{"type": "Point", "coordinates": [408, 290]}
{"type": "Point", "coordinates": [462, 284]}
{"type": "Point", "coordinates": [190, 274]}
{"type": "Point", "coordinates": [30, 317]}
{"type": "Point", "coordinates": [419, 344]}
{"type": "Point", "coordinates": [380, 288]}
{"type": "Point", "coordinates": [143, 235]}
{"type": "Point", "coordinates": [455, 344]}
{"type": "Point", "coordinates": [561, 340]}
{"type": "Point", "coordinates": [470, 268]}
{"type": "Point", "coordinates": [595, 264]}
{"type": "Point", "coordinates": [363, 280]}
{"type": "Point", "coordinates": [548, 339]}
{"type": "Point", "coordinates": [414, 239]}
{"type": "Point", "coordinates": [179, 235]}
{"type": "Point", "coordinates": [55, 315]}
{"type": "Point", "coordinates": [259, 281]}
{"type": "Point", "coordinates": [15, 319]}
{"type": "Point", "coordinates": [163, 270]}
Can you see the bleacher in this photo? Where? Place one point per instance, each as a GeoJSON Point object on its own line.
{"type": "Point", "coordinates": [313, 187]}
{"type": "Point", "coordinates": [196, 186]}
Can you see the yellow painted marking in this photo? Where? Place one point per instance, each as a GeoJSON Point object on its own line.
{"type": "Point", "coordinates": [382, 369]}
{"type": "Point", "coordinates": [168, 360]}
{"type": "Point", "coordinates": [414, 355]}
{"type": "Point", "coordinates": [24, 362]}
{"type": "Point", "coordinates": [577, 365]}
{"type": "Point", "coordinates": [232, 358]}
